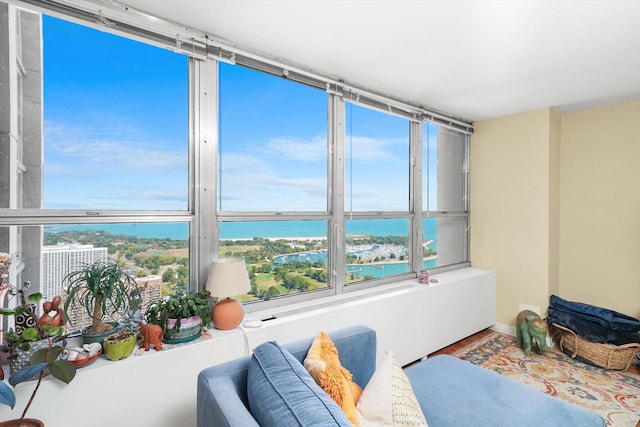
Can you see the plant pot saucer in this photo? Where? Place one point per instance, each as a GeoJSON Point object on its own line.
{"type": "Point", "coordinates": [79, 363]}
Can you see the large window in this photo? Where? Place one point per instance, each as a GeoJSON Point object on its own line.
{"type": "Point", "coordinates": [100, 157]}
{"type": "Point", "coordinates": [273, 143]}
{"type": "Point", "coordinates": [166, 154]}
{"type": "Point", "coordinates": [444, 201]}
{"type": "Point", "coordinates": [115, 122]}
{"type": "Point", "coordinates": [376, 186]}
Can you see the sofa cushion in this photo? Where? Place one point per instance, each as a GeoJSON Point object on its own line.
{"type": "Point", "coordinates": [388, 399]}
{"type": "Point", "coordinates": [453, 393]}
{"type": "Point", "coordinates": [323, 363]}
{"type": "Point", "coordinates": [281, 392]}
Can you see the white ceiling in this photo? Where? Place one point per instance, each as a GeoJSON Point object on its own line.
{"type": "Point", "coordinates": [472, 59]}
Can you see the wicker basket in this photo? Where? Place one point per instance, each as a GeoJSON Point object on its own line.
{"type": "Point", "coordinates": [606, 356]}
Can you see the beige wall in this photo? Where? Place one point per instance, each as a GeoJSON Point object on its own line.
{"type": "Point", "coordinates": [510, 219]}
{"type": "Point", "coordinates": [555, 207]}
{"type": "Point", "coordinates": [600, 209]}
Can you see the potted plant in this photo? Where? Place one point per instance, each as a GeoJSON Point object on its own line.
{"type": "Point", "coordinates": [120, 345]}
{"type": "Point", "coordinates": [181, 315]}
{"type": "Point", "coordinates": [31, 333]}
{"type": "Point", "coordinates": [43, 361]}
{"type": "Point", "coordinates": [104, 290]}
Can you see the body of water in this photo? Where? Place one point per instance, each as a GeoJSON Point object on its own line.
{"type": "Point", "coordinates": [248, 230]}
{"type": "Point", "coordinates": [375, 270]}
{"type": "Point", "coordinates": [285, 229]}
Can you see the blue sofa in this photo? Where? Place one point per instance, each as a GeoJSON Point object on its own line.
{"type": "Point", "coordinates": [451, 392]}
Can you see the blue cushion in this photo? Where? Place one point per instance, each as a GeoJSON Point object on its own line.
{"type": "Point", "coordinates": [454, 393]}
{"type": "Point", "coordinates": [282, 393]}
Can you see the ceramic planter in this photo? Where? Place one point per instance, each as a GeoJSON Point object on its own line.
{"type": "Point", "coordinates": [91, 337]}
{"type": "Point", "coordinates": [21, 358]}
{"type": "Point", "coordinates": [118, 347]}
{"type": "Point", "coordinates": [190, 329]}
{"type": "Point", "coordinates": [26, 422]}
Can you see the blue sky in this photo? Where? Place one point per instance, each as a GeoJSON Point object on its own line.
{"type": "Point", "coordinates": [116, 130]}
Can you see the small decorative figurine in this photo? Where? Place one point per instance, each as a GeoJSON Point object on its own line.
{"type": "Point", "coordinates": [53, 314]}
{"type": "Point", "coordinates": [531, 330]}
{"type": "Point", "coordinates": [151, 335]}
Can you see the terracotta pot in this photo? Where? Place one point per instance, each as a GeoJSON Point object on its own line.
{"type": "Point", "coordinates": [26, 422]}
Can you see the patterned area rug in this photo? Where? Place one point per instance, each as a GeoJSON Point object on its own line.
{"type": "Point", "coordinates": [613, 395]}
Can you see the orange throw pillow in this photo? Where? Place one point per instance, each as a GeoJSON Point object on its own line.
{"type": "Point", "coordinates": [323, 363]}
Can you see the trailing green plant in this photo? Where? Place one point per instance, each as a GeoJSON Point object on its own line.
{"type": "Point", "coordinates": [178, 306]}
{"type": "Point", "coordinates": [104, 289]}
{"type": "Point", "coordinates": [14, 341]}
{"type": "Point", "coordinates": [43, 361]}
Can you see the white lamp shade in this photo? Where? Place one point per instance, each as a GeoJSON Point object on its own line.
{"type": "Point", "coordinates": [228, 277]}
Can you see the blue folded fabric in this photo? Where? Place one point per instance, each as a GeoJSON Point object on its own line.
{"type": "Point", "coordinates": [606, 318]}
{"type": "Point", "coordinates": [592, 331]}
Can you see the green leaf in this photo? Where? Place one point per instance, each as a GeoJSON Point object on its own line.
{"type": "Point", "coordinates": [7, 397]}
{"type": "Point", "coordinates": [53, 331]}
{"type": "Point", "coordinates": [63, 370]}
{"type": "Point", "coordinates": [30, 334]}
{"type": "Point", "coordinates": [7, 312]}
{"type": "Point", "coordinates": [26, 374]}
{"type": "Point", "coordinates": [44, 355]}
{"type": "Point", "coordinates": [35, 297]}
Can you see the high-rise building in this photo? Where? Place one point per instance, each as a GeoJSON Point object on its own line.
{"type": "Point", "coordinates": [60, 260]}
{"type": "Point", "coordinates": [150, 289]}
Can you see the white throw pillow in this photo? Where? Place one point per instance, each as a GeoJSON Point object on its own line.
{"type": "Point", "coordinates": [388, 398]}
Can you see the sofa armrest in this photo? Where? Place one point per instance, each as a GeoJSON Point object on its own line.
{"type": "Point", "coordinates": [222, 396]}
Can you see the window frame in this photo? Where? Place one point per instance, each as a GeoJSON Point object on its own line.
{"type": "Point", "coordinates": [204, 53]}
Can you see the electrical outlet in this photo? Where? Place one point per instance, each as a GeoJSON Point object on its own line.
{"type": "Point", "coordinates": [533, 308]}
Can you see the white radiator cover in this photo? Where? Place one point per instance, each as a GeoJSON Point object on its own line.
{"type": "Point", "coordinates": [159, 389]}
{"type": "Point", "coordinates": [411, 319]}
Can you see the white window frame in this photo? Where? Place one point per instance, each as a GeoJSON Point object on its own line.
{"type": "Point", "coordinates": [204, 52]}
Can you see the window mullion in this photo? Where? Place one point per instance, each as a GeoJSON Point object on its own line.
{"type": "Point", "coordinates": [336, 233]}
{"type": "Point", "coordinates": [415, 195]}
{"type": "Point", "coordinates": [205, 142]}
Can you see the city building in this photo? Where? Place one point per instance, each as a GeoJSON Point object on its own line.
{"type": "Point", "coordinates": [60, 260]}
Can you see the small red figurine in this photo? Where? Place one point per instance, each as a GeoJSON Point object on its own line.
{"type": "Point", "coordinates": [151, 335]}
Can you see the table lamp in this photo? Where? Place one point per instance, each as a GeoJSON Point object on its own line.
{"type": "Point", "coordinates": [228, 277]}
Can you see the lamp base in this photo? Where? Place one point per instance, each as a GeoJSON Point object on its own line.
{"type": "Point", "coordinates": [227, 314]}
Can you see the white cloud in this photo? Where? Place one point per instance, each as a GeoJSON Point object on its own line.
{"type": "Point", "coordinates": [369, 150]}
{"type": "Point", "coordinates": [108, 148]}
{"type": "Point", "coordinates": [297, 149]}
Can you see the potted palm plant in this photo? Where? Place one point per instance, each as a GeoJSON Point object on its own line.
{"type": "Point", "coordinates": [105, 291]}
{"type": "Point", "coordinates": [181, 315]}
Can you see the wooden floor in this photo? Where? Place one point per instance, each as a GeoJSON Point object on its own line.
{"type": "Point", "coordinates": [469, 340]}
